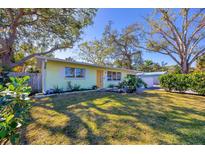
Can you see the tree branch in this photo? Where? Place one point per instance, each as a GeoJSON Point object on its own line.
{"type": "Point", "coordinates": [21, 62]}
{"type": "Point", "coordinates": [200, 53]}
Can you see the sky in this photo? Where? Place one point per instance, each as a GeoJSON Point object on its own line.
{"type": "Point", "coordinates": [120, 18]}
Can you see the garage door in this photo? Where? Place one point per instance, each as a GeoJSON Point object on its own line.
{"type": "Point", "coordinates": [149, 81]}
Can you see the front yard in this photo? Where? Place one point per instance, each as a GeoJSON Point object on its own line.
{"type": "Point", "coordinates": [155, 117]}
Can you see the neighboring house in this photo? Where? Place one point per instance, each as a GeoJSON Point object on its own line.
{"type": "Point", "coordinates": [150, 78]}
{"type": "Point", "coordinates": [57, 72]}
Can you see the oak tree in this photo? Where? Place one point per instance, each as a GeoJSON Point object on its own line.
{"type": "Point", "coordinates": [178, 33]}
{"type": "Point", "coordinates": [45, 30]}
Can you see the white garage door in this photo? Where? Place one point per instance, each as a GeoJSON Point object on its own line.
{"type": "Point", "coordinates": [149, 81]}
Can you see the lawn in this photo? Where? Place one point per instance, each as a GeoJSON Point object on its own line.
{"type": "Point", "coordinates": [155, 117]}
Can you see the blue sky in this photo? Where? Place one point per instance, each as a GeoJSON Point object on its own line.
{"type": "Point", "coordinates": [120, 18]}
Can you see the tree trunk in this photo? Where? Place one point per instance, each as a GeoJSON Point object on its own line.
{"type": "Point", "coordinates": [185, 67]}
{"type": "Point", "coordinates": [7, 60]}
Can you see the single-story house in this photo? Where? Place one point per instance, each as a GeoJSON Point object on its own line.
{"type": "Point", "coordinates": [58, 72]}
{"type": "Point", "coordinates": [150, 78]}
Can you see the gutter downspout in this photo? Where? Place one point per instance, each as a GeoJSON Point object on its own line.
{"type": "Point", "coordinates": [43, 68]}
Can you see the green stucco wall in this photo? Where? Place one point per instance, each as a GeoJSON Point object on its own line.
{"type": "Point", "coordinates": [55, 75]}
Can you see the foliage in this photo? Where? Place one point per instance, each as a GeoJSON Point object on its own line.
{"type": "Point", "coordinates": [116, 48]}
{"type": "Point", "coordinates": [200, 64]}
{"type": "Point", "coordinates": [167, 81]}
{"type": "Point", "coordinates": [175, 82]}
{"type": "Point", "coordinates": [150, 66]}
{"type": "Point", "coordinates": [33, 32]}
{"type": "Point", "coordinates": [175, 69]}
{"type": "Point", "coordinates": [57, 89]}
{"type": "Point", "coordinates": [76, 87]}
{"type": "Point", "coordinates": [198, 83]}
{"type": "Point", "coordinates": [69, 86]}
{"type": "Point", "coordinates": [184, 82]}
{"type": "Point", "coordinates": [94, 87]}
{"type": "Point", "coordinates": [181, 42]}
{"type": "Point", "coordinates": [111, 86]}
{"type": "Point", "coordinates": [96, 52]}
{"type": "Point", "coordinates": [14, 105]}
{"type": "Point", "coordinates": [4, 77]}
{"type": "Point", "coordinates": [125, 43]}
{"type": "Point", "coordinates": [140, 83]}
{"type": "Point", "coordinates": [132, 82]}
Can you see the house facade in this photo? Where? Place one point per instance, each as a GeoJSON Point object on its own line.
{"type": "Point", "coordinates": [58, 72]}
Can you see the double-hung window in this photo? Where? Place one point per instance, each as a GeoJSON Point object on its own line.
{"type": "Point", "coordinates": [74, 72]}
{"type": "Point", "coordinates": [113, 76]}
{"type": "Point", "coordinates": [79, 73]}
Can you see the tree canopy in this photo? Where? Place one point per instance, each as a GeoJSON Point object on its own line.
{"type": "Point", "coordinates": [42, 31]}
{"type": "Point", "coordinates": [200, 64]}
{"type": "Point", "coordinates": [178, 33]}
{"type": "Point", "coordinates": [96, 52]}
{"type": "Point", "coordinates": [118, 48]}
{"type": "Point", "coordinates": [150, 66]}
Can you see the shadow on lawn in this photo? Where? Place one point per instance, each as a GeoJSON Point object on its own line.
{"type": "Point", "coordinates": [148, 109]}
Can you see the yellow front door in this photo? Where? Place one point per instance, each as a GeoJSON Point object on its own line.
{"type": "Point", "coordinates": [99, 79]}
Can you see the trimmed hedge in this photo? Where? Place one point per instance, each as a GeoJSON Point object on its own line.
{"type": "Point", "coordinates": [198, 83]}
{"type": "Point", "coordinates": [184, 82]}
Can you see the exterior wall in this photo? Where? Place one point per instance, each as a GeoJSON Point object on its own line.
{"type": "Point", "coordinates": [106, 83]}
{"type": "Point", "coordinates": [54, 75]}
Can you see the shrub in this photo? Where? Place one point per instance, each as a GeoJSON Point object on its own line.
{"type": "Point", "coordinates": [140, 83]}
{"type": "Point", "coordinates": [175, 82]}
{"type": "Point", "coordinates": [198, 83]}
{"type": "Point", "coordinates": [57, 89]}
{"type": "Point", "coordinates": [69, 86]}
{"type": "Point", "coordinates": [94, 87]}
{"type": "Point", "coordinates": [14, 106]}
{"type": "Point", "coordinates": [132, 82]}
{"type": "Point", "coordinates": [167, 81]}
{"type": "Point", "coordinates": [76, 87]}
{"type": "Point", "coordinates": [111, 86]}
{"type": "Point", "coordinates": [184, 82]}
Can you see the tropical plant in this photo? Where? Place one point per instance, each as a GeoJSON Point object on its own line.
{"type": "Point", "coordinates": [131, 82]}
{"type": "Point", "coordinates": [14, 106]}
{"type": "Point", "coordinates": [76, 87]}
{"type": "Point", "coordinates": [150, 66]}
{"type": "Point", "coordinates": [94, 87]}
{"type": "Point", "coordinates": [111, 86]}
{"type": "Point", "coordinates": [69, 86]}
{"type": "Point", "coordinates": [57, 89]}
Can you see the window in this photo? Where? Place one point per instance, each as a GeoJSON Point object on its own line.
{"type": "Point", "coordinates": [74, 72]}
{"type": "Point", "coordinates": [109, 75]}
{"type": "Point", "coordinates": [80, 73]}
{"type": "Point", "coordinates": [70, 72]}
{"type": "Point", "coordinates": [113, 76]}
{"type": "Point", "coordinates": [118, 75]}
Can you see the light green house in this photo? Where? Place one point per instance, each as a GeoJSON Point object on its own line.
{"type": "Point", "coordinates": [58, 72]}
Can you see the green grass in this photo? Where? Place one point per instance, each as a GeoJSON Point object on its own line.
{"type": "Point", "coordinates": [155, 117]}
